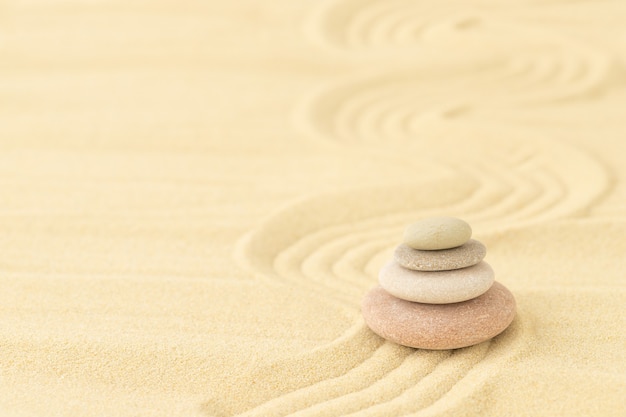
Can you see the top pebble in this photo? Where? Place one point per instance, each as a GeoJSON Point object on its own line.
{"type": "Point", "coordinates": [437, 233]}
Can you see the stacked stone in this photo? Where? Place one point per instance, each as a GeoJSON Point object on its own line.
{"type": "Point", "coordinates": [437, 292]}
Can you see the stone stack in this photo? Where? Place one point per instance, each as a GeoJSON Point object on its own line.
{"type": "Point", "coordinates": [437, 292]}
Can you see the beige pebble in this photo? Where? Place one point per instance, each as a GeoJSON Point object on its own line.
{"type": "Point", "coordinates": [440, 260]}
{"type": "Point", "coordinates": [437, 233]}
{"type": "Point", "coordinates": [440, 287]}
{"type": "Point", "coordinates": [439, 326]}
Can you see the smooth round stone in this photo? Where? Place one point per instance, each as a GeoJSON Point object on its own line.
{"type": "Point", "coordinates": [439, 287]}
{"type": "Point", "coordinates": [439, 326]}
{"type": "Point", "coordinates": [437, 233]}
{"type": "Point", "coordinates": [441, 260]}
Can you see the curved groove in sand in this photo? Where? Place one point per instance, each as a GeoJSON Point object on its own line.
{"type": "Point", "coordinates": [338, 241]}
{"type": "Point", "coordinates": [387, 359]}
{"type": "Point", "coordinates": [404, 107]}
{"type": "Point", "coordinates": [336, 251]}
{"type": "Point", "coordinates": [335, 255]}
{"type": "Point", "coordinates": [365, 355]}
{"type": "Point", "coordinates": [381, 27]}
{"type": "Point", "coordinates": [547, 182]}
{"type": "Point", "coordinates": [514, 342]}
{"type": "Point", "coordinates": [351, 24]}
{"type": "Point", "coordinates": [419, 386]}
{"type": "Point", "coordinates": [417, 367]}
{"type": "Point", "coordinates": [380, 396]}
{"type": "Point", "coordinates": [417, 383]}
{"type": "Point", "coordinates": [433, 386]}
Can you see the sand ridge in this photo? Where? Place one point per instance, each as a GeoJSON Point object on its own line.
{"type": "Point", "coordinates": [194, 199]}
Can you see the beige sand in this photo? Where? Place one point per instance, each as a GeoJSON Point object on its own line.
{"type": "Point", "coordinates": [195, 196]}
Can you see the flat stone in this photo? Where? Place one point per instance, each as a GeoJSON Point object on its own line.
{"type": "Point", "coordinates": [439, 326]}
{"type": "Point", "coordinates": [440, 260]}
{"type": "Point", "coordinates": [439, 287]}
{"type": "Point", "coordinates": [437, 233]}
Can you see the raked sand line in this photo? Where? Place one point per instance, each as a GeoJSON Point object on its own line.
{"type": "Point", "coordinates": [354, 265]}
{"type": "Point", "coordinates": [513, 343]}
{"type": "Point", "coordinates": [326, 228]}
{"type": "Point", "coordinates": [379, 25]}
{"type": "Point", "coordinates": [432, 387]}
{"type": "Point", "coordinates": [291, 374]}
{"type": "Point", "coordinates": [527, 49]}
{"type": "Point", "coordinates": [444, 381]}
{"type": "Point", "coordinates": [323, 261]}
{"type": "Point", "coordinates": [538, 195]}
{"type": "Point", "coordinates": [415, 367]}
{"type": "Point", "coordinates": [417, 370]}
{"type": "Point", "coordinates": [339, 233]}
{"type": "Point", "coordinates": [308, 257]}
{"type": "Point", "coordinates": [416, 384]}
{"type": "Point", "coordinates": [463, 97]}
{"type": "Point", "coordinates": [569, 356]}
{"type": "Point", "coordinates": [311, 261]}
{"type": "Point", "coordinates": [410, 103]}
{"type": "Point", "coordinates": [322, 399]}
{"type": "Point", "coordinates": [387, 359]}
{"type": "Point", "coordinates": [387, 390]}
{"type": "Point", "coordinates": [541, 172]}
{"type": "Point", "coordinates": [277, 253]}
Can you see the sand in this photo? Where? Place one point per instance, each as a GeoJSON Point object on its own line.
{"type": "Point", "coordinates": [195, 196]}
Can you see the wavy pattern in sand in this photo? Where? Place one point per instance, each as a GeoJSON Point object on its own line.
{"type": "Point", "coordinates": [411, 104]}
{"type": "Point", "coordinates": [354, 24]}
{"type": "Point", "coordinates": [141, 139]}
{"type": "Point", "coordinates": [396, 380]}
{"type": "Point", "coordinates": [385, 379]}
{"type": "Point", "coordinates": [390, 27]}
{"type": "Point", "coordinates": [426, 116]}
{"type": "Point", "coordinates": [449, 64]}
{"type": "Point", "coordinates": [337, 242]}
{"type": "Point", "coordinates": [418, 368]}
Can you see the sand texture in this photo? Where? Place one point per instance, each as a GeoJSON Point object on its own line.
{"type": "Point", "coordinates": [195, 196]}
